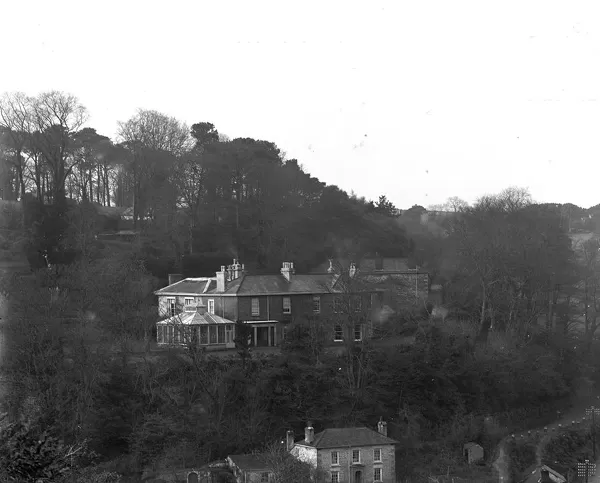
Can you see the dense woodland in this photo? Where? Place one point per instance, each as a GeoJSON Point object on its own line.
{"type": "Point", "coordinates": [88, 398]}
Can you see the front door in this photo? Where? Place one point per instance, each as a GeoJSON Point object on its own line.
{"type": "Point", "coordinates": [358, 477]}
{"type": "Point", "coordinates": [262, 336]}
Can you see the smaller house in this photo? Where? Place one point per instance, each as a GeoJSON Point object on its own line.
{"type": "Point", "coordinates": [250, 468]}
{"type": "Point", "coordinates": [473, 452]}
{"type": "Point", "coordinates": [354, 455]}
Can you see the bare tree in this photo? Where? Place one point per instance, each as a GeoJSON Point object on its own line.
{"type": "Point", "coordinates": [56, 117]}
{"type": "Point", "coordinates": [15, 121]}
{"type": "Point", "coordinates": [145, 134]}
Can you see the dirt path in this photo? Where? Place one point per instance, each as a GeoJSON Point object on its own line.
{"type": "Point", "coordinates": [575, 413]}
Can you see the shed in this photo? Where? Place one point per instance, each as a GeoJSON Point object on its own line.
{"type": "Point", "coordinates": [473, 452]}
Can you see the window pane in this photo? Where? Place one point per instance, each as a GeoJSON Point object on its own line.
{"type": "Point", "coordinates": [377, 455]}
{"type": "Point", "coordinates": [255, 307]}
{"type": "Point", "coordinates": [355, 456]}
{"type": "Point", "coordinates": [204, 334]}
{"type": "Point", "coordinates": [170, 338]}
{"type": "Point", "coordinates": [338, 335]}
{"type": "Point", "coordinates": [287, 305]}
{"type": "Point", "coordinates": [316, 304]}
{"type": "Point", "coordinates": [357, 332]}
{"type": "Point", "coordinates": [221, 329]}
{"type": "Point", "coordinates": [212, 334]}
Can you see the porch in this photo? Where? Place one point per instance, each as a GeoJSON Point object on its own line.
{"type": "Point", "coordinates": [263, 333]}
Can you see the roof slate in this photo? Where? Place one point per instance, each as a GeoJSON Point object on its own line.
{"type": "Point", "coordinates": [272, 284]}
{"type": "Point", "coordinates": [250, 462]}
{"type": "Point", "coordinates": [342, 437]}
{"type": "Point", "coordinates": [192, 286]}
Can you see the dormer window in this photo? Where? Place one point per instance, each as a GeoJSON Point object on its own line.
{"type": "Point", "coordinates": [188, 302]}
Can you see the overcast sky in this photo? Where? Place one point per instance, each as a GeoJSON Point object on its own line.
{"type": "Point", "coordinates": [418, 100]}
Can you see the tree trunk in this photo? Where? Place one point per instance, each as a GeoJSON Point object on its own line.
{"type": "Point", "coordinates": [484, 323]}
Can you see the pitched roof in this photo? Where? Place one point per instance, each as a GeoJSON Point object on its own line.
{"type": "Point", "coordinates": [533, 474]}
{"type": "Point", "coordinates": [341, 437]}
{"type": "Point", "coordinates": [195, 318]}
{"type": "Point", "coordinates": [250, 462]}
{"type": "Point", "coordinates": [278, 284]}
{"type": "Point", "coordinates": [191, 286]}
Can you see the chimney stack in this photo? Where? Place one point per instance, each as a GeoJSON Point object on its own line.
{"type": "Point", "coordinates": [290, 440]}
{"type": "Point", "coordinates": [221, 280]}
{"type": "Point", "coordinates": [174, 278]}
{"type": "Point", "coordinates": [352, 270]}
{"type": "Point", "coordinates": [237, 269]}
{"type": "Point", "coordinates": [287, 270]}
{"type": "Point", "coordinates": [309, 433]}
{"type": "Point", "coordinates": [330, 269]}
{"type": "Point", "coordinates": [382, 427]}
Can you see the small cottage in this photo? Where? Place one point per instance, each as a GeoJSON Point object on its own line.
{"type": "Point", "coordinates": [250, 468]}
{"type": "Point", "coordinates": [473, 452]}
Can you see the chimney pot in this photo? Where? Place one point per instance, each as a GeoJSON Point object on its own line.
{"type": "Point", "coordinates": [382, 427]}
{"type": "Point", "coordinates": [309, 433]}
{"type": "Point", "coordinates": [290, 440]}
{"type": "Point", "coordinates": [174, 278]}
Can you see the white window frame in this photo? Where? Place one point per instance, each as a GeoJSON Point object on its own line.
{"type": "Point", "coordinates": [335, 477]}
{"type": "Point", "coordinates": [336, 331]}
{"type": "Point", "coordinates": [376, 459]}
{"type": "Point", "coordinates": [335, 461]}
{"type": "Point", "coordinates": [171, 306]}
{"type": "Point", "coordinates": [287, 305]}
{"type": "Point", "coordinates": [360, 330]}
{"type": "Point", "coordinates": [375, 470]}
{"type": "Point", "coordinates": [316, 304]}
{"type": "Point", "coordinates": [188, 301]}
{"type": "Point", "coordinates": [255, 306]}
{"type": "Point", "coordinates": [211, 306]}
{"type": "Point", "coordinates": [355, 451]}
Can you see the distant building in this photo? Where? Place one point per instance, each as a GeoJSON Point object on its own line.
{"type": "Point", "coordinates": [398, 284]}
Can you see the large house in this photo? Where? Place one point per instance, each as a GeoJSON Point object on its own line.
{"type": "Point", "coordinates": [205, 310]}
{"type": "Point", "coordinates": [352, 455]}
